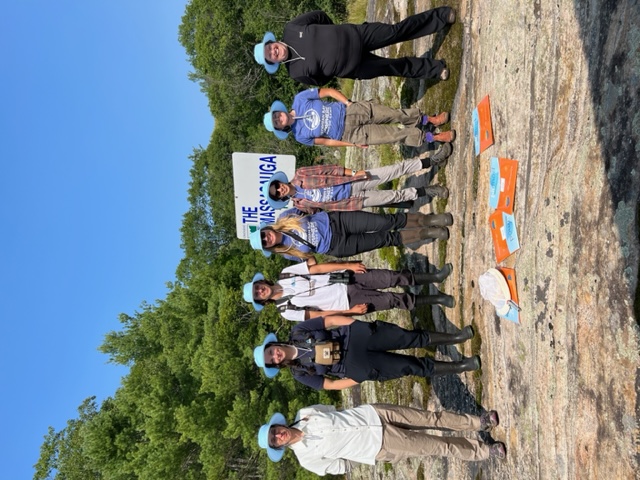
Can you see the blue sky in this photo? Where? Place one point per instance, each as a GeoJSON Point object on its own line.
{"type": "Point", "coordinates": [97, 119]}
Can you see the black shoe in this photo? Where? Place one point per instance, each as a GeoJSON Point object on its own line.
{"type": "Point", "coordinates": [433, 191]}
{"type": "Point", "coordinates": [440, 157]}
{"type": "Point", "coordinates": [439, 191]}
{"type": "Point", "coordinates": [451, 19]}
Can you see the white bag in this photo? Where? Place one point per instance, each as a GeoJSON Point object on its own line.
{"type": "Point", "coordinates": [493, 287]}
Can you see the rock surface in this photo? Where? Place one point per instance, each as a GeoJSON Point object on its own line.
{"type": "Point", "coordinates": [564, 82]}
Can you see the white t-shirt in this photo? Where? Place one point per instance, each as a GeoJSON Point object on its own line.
{"type": "Point", "coordinates": [314, 293]}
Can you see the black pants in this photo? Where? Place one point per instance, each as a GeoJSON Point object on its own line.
{"type": "Point", "coordinates": [358, 232]}
{"type": "Point", "coordinates": [367, 285]}
{"type": "Point", "coordinates": [367, 357]}
{"type": "Point", "coordinates": [379, 35]}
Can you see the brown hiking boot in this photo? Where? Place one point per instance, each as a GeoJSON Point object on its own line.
{"type": "Point", "coordinates": [488, 420]}
{"type": "Point", "coordinates": [446, 137]}
{"type": "Point", "coordinates": [498, 450]}
{"type": "Point", "coordinates": [436, 120]}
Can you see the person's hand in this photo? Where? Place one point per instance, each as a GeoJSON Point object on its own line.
{"type": "Point", "coordinates": [360, 145]}
{"type": "Point", "coordinates": [358, 267]}
{"type": "Point", "coordinates": [360, 173]}
{"type": "Point", "coordinates": [359, 309]}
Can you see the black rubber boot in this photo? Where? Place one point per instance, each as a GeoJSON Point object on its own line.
{"type": "Point", "coordinates": [438, 220]}
{"type": "Point", "coordinates": [437, 277]}
{"type": "Point", "coordinates": [438, 338]}
{"type": "Point", "coordinates": [438, 299]}
{"type": "Point", "coordinates": [451, 368]}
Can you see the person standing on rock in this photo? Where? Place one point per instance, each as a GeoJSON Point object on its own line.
{"type": "Point", "coordinates": [326, 441]}
{"type": "Point", "coordinates": [336, 188]}
{"type": "Point", "coordinates": [298, 237]}
{"type": "Point", "coordinates": [308, 290]}
{"type": "Point", "coordinates": [314, 50]}
{"type": "Point", "coordinates": [343, 123]}
{"type": "Point", "coordinates": [338, 352]}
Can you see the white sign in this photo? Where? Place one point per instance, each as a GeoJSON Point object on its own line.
{"type": "Point", "coordinates": [250, 171]}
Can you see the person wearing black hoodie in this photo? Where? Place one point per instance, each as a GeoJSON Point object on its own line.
{"type": "Point", "coordinates": [314, 50]}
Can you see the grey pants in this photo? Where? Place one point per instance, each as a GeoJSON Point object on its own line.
{"type": "Point", "coordinates": [368, 288]}
{"type": "Point", "coordinates": [368, 189]}
{"type": "Point", "coordinates": [368, 123]}
{"type": "Point", "coordinates": [403, 434]}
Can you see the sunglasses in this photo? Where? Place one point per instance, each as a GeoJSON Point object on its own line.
{"type": "Point", "coordinates": [263, 239]}
{"type": "Point", "coordinates": [273, 190]}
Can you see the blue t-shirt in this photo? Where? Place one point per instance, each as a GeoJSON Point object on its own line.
{"type": "Point", "coordinates": [315, 230]}
{"type": "Point", "coordinates": [325, 194]}
{"type": "Point", "coordinates": [317, 119]}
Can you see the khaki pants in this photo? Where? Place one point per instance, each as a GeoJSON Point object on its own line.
{"type": "Point", "coordinates": [404, 437]}
{"type": "Point", "coordinates": [368, 123]}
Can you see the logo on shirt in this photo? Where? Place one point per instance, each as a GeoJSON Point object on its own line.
{"type": "Point", "coordinates": [311, 119]}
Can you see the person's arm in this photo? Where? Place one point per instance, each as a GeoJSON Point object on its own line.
{"type": "Point", "coordinates": [359, 309]}
{"type": "Point", "coordinates": [337, 95]}
{"type": "Point", "coordinates": [330, 142]}
{"type": "Point", "coordinates": [314, 81]}
{"type": "Point", "coordinates": [357, 267]}
{"type": "Point", "coordinates": [338, 384]}
{"type": "Point", "coordinates": [337, 321]}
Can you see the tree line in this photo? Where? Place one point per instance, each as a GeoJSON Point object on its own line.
{"type": "Point", "coordinates": [192, 401]}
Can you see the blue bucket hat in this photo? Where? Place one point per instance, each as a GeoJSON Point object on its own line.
{"type": "Point", "coordinates": [247, 291]}
{"type": "Point", "coordinates": [275, 454]}
{"type": "Point", "coordinates": [256, 241]}
{"type": "Point", "coordinates": [258, 53]}
{"type": "Point", "coordinates": [279, 177]}
{"type": "Point", "coordinates": [258, 356]}
{"type": "Point", "coordinates": [276, 106]}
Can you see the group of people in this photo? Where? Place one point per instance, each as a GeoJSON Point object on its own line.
{"type": "Point", "coordinates": [314, 51]}
{"type": "Point", "coordinates": [328, 348]}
